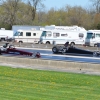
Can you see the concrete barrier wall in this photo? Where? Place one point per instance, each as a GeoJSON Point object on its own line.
{"type": "Point", "coordinates": [51, 64]}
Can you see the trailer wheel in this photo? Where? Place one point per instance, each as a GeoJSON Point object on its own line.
{"type": "Point", "coordinates": [20, 41]}
{"type": "Point", "coordinates": [55, 50]}
{"type": "Point", "coordinates": [95, 45]}
{"type": "Point", "coordinates": [47, 42]}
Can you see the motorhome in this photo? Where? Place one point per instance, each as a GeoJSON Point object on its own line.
{"type": "Point", "coordinates": [29, 36]}
{"type": "Point", "coordinates": [92, 38]}
{"type": "Point", "coordinates": [62, 36]}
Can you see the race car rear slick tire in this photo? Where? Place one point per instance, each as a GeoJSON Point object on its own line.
{"type": "Point", "coordinates": [55, 50]}
{"type": "Point", "coordinates": [11, 46]}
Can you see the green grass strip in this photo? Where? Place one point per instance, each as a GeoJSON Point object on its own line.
{"type": "Point", "coordinates": [28, 84]}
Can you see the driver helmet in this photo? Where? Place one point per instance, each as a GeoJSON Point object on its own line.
{"type": "Point", "coordinates": [66, 44]}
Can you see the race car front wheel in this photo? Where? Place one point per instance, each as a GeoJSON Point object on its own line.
{"type": "Point", "coordinates": [95, 54]}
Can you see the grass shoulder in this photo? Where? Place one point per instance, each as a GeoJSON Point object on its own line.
{"type": "Point", "coordinates": [28, 84]}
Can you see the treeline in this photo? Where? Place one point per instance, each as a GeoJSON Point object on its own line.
{"type": "Point", "coordinates": [33, 12]}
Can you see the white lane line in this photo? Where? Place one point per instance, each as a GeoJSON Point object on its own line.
{"type": "Point", "coordinates": [70, 56]}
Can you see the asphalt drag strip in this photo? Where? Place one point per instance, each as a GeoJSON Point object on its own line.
{"type": "Point", "coordinates": [60, 58]}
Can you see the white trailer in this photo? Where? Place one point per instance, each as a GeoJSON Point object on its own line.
{"type": "Point", "coordinates": [62, 36]}
{"type": "Point", "coordinates": [28, 36]}
{"type": "Point", "coordinates": [92, 37]}
{"type": "Point", "coordinates": [6, 34]}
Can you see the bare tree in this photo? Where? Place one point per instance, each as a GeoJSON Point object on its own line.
{"type": "Point", "coordinates": [10, 8]}
{"type": "Point", "coordinates": [96, 4]}
{"type": "Point", "coordinates": [33, 6]}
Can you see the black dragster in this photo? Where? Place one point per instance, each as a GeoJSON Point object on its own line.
{"type": "Point", "coordinates": [72, 50]}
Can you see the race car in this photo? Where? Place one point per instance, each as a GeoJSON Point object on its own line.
{"type": "Point", "coordinates": [10, 49]}
{"type": "Point", "coordinates": [72, 50]}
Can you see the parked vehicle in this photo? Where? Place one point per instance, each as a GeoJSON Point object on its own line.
{"type": "Point", "coordinates": [6, 35]}
{"type": "Point", "coordinates": [61, 36]}
{"type": "Point", "coordinates": [92, 38]}
{"type": "Point", "coordinates": [29, 36]}
{"type": "Point", "coordinates": [3, 37]}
